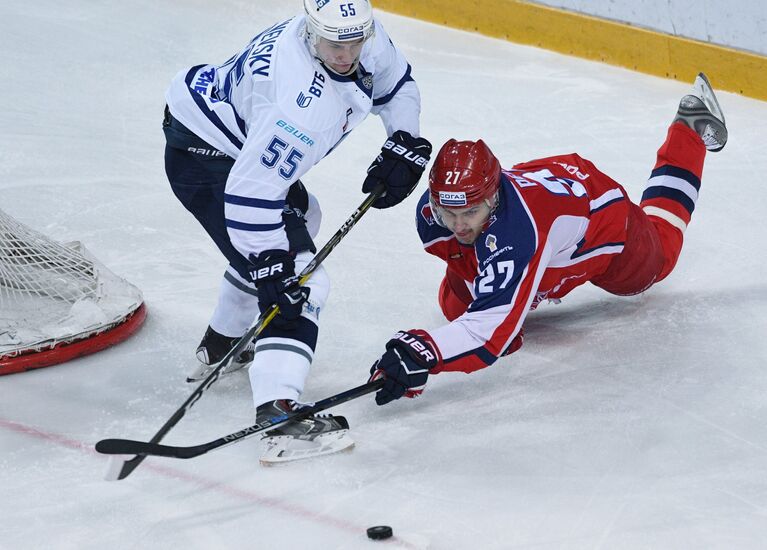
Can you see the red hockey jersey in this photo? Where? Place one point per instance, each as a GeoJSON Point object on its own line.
{"type": "Point", "coordinates": [559, 222]}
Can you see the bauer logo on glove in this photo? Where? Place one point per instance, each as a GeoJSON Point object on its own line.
{"type": "Point", "coordinates": [268, 272]}
{"type": "Point", "coordinates": [404, 152]}
{"type": "Point", "coordinates": [271, 265]}
{"type": "Point", "coordinates": [416, 344]}
{"type": "Point", "coordinates": [405, 366]}
{"type": "Point", "coordinates": [398, 166]}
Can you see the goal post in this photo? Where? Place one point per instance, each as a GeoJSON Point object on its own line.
{"type": "Point", "coordinates": [57, 301]}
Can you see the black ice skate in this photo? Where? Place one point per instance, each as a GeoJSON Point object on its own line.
{"type": "Point", "coordinates": [310, 437]}
{"type": "Point", "coordinates": [701, 111]}
{"type": "Point", "coordinates": [212, 349]}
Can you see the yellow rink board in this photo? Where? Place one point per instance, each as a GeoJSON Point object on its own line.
{"type": "Point", "coordinates": [597, 39]}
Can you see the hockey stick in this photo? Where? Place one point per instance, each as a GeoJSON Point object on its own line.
{"type": "Point", "coordinates": [143, 448]}
{"type": "Point", "coordinates": [263, 320]}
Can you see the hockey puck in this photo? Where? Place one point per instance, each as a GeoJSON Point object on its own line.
{"type": "Point", "coordinates": [379, 532]}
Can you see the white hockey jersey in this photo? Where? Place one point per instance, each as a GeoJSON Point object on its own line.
{"type": "Point", "coordinates": [277, 111]}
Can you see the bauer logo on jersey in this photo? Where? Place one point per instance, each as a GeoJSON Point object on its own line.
{"type": "Point", "coordinates": [292, 130]}
{"type": "Point", "coordinates": [452, 198]}
{"type": "Point", "coordinates": [492, 243]}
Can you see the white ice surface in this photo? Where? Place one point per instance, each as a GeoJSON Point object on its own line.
{"type": "Point", "coordinates": [622, 423]}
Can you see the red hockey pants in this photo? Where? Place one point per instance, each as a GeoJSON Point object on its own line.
{"type": "Point", "coordinates": [655, 228]}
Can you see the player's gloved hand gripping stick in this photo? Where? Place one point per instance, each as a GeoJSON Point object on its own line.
{"type": "Point", "coordinates": [123, 468]}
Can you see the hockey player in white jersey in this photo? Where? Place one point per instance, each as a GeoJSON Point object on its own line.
{"type": "Point", "coordinates": [239, 136]}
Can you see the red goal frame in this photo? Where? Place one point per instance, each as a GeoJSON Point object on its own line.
{"type": "Point", "coordinates": [65, 351]}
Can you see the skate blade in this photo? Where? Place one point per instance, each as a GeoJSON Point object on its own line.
{"type": "Point", "coordinates": [702, 88]}
{"type": "Point", "coordinates": [202, 371]}
{"type": "Point", "coordinates": [282, 449]}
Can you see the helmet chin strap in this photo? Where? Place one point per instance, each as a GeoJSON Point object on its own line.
{"type": "Point", "coordinates": [331, 69]}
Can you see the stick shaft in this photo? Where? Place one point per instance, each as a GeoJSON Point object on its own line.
{"type": "Point", "coordinates": [129, 446]}
{"type": "Point", "coordinates": [263, 320]}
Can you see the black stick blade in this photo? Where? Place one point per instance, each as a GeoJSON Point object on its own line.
{"type": "Point", "coordinates": [131, 447]}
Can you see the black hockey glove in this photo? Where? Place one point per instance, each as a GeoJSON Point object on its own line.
{"type": "Point", "coordinates": [273, 272]}
{"type": "Point", "coordinates": [405, 366]}
{"type": "Point", "coordinates": [402, 160]}
{"type": "Point", "coordinates": [294, 218]}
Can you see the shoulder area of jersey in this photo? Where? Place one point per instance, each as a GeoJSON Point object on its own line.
{"type": "Point", "coordinates": [298, 81]}
{"type": "Point", "coordinates": [377, 49]}
{"type": "Point", "coordinates": [425, 220]}
{"type": "Point", "coordinates": [510, 232]}
{"type": "Point", "coordinates": [289, 52]}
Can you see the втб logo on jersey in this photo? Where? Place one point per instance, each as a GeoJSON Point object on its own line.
{"type": "Point", "coordinates": [315, 90]}
{"type": "Point", "coordinates": [303, 101]}
{"type": "Point", "coordinates": [321, 3]}
{"type": "Point", "coordinates": [452, 198]}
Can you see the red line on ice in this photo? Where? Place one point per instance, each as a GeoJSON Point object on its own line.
{"type": "Point", "coordinates": [208, 484]}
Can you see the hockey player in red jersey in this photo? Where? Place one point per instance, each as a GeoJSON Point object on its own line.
{"type": "Point", "coordinates": [513, 238]}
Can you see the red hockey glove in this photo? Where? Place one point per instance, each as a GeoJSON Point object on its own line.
{"type": "Point", "coordinates": [405, 366]}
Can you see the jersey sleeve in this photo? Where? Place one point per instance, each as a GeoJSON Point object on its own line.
{"type": "Point", "coordinates": [396, 98]}
{"type": "Point", "coordinates": [504, 290]}
{"type": "Point", "coordinates": [213, 101]}
{"type": "Point", "coordinates": [191, 100]}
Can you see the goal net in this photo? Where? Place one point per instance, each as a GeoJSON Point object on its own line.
{"type": "Point", "coordinates": [57, 301]}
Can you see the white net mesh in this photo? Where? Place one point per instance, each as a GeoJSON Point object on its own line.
{"type": "Point", "coordinates": [52, 293]}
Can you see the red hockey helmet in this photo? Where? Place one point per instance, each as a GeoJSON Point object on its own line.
{"type": "Point", "coordinates": [464, 173]}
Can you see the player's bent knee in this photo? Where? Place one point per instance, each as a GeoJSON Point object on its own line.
{"type": "Point", "coordinates": [641, 263]}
